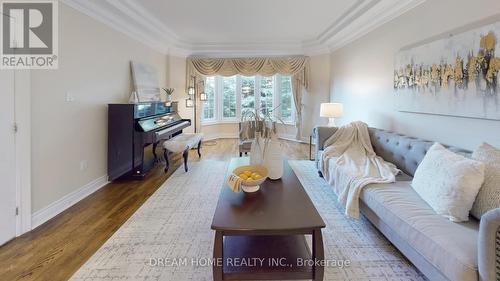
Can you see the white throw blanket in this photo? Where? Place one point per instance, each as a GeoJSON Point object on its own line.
{"type": "Point", "coordinates": [349, 163]}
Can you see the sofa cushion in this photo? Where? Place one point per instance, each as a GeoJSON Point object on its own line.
{"type": "Point", "coordinates": [488, 197]}
{"type": "Point", "coordinates": [448, 182]}
{"type": "Point", "coordinates": [450, 247]}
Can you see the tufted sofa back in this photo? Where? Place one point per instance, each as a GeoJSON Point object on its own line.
{"type": "Point", "coordinates": [405, 152]}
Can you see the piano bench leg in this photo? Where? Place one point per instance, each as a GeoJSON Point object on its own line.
{"type": "Point", "coordinates": [165, 154]}
{"type": "Point", "coordinates": [185, 155]}
{"type": "Point", "coordinates": [199, 147]}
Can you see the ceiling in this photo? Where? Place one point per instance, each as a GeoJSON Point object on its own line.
{"type": "Point", "coordinates": [244, 28]}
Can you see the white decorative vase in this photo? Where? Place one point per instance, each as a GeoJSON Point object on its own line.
{"type": "Point", "coordinates": [273, 159]}
{"type": "Point", "coordinates": [256, 150]}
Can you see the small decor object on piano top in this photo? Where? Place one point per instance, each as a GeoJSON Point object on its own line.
{"type": "Point", "coordinates": [168, 94]}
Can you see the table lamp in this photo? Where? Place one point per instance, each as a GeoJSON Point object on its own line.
{"type": "Point", "coordinates": [332, 111]}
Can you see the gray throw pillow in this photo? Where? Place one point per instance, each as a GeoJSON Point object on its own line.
{"type": "Point", "coordinates": [489, 195]}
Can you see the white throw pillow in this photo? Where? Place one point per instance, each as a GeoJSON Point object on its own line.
{"type": "Point", "coordinates": [488, 197]}
{"type": "Point", "coordinates": [448, 182]}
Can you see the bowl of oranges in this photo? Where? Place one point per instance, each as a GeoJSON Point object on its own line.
{"type": "Point", "coordinates": [252, 176]}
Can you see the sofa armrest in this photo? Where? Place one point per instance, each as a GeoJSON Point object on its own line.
{"type": "Point", "coordinates": [320, 135]}
{"type": "Point", "coordinates": [489, 246]}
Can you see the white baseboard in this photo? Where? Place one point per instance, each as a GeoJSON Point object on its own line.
{"type": "Point", "coordinates": [41, 216]}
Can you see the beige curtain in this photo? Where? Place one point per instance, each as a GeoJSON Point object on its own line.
{"type": "Point", "coordinates": [295, 66]}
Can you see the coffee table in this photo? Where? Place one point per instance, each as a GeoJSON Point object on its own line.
{"type": "Point", "coordinates": [261, 235]}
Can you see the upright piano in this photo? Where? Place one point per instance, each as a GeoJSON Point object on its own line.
{"type": "Point", "coordinates": [134, 131]}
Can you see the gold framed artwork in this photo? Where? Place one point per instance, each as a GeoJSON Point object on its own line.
{"type": "Point", "coordinates": [456, 76]}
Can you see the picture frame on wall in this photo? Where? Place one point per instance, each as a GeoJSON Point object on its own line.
{"type": "Point", "coordinates": [454, 75]}
{"type": "Point", "coordinates": [146, 83]}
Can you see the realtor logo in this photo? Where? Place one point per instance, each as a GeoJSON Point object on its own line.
{"type": "Point", "coordinates": [29, 34]}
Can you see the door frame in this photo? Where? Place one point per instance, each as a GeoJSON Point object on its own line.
{"type": "Point", "coordinates": [22, 119]}
{"type": "Point", "coordinates": [22, 140]}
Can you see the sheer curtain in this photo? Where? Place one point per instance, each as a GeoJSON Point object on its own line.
{"type": "Point", "coordinates": [295, 66]}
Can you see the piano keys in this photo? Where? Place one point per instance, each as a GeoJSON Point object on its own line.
{"type": "Point", "coordinates": [134, 132]}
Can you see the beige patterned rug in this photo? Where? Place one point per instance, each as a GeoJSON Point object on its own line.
{"type": "Point", "coordinates": [175, 224]}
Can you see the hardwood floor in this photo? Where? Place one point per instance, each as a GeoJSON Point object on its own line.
{"type": "Point", "coordinates": [58, 248]}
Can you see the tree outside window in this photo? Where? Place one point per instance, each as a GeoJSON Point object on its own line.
{"type": "Point", "coordinates": [247, 93]}
{"type": "Point", "coordinates": [286, 96]}
{"type": "Point", "coordinates": [266, 95]}
{"type": "Point", "coordinates": [229, 97]}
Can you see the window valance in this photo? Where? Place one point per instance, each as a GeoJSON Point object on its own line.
{"type": "Point", "coordinates": [296, 66]}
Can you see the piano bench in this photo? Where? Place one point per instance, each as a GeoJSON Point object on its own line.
{"type": "Point", "coordinates": [182, 143]}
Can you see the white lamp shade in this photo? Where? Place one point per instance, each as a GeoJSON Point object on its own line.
{"type": "Point", "coordinates": [331, 110]}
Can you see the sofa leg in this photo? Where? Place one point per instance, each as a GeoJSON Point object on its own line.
{"type": "Point", "coordinates": [320, 174]}
{"type": "Point", "coordinates": [185, 155]}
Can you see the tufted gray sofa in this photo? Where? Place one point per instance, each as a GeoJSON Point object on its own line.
{"type": "Point", "coordinates": [439, 248]}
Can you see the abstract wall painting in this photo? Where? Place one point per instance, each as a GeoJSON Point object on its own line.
{"type": "Point", "coordinates": [146, 85]}
{"type": "Point", "coordinates": [456, 76]}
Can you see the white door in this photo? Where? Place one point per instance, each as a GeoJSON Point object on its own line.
{"type": "Point", "coordinates": [7, 157]}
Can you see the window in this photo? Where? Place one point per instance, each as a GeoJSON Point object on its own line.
{"type": "Point", "coordinates": [266, 95]}
{"type": "Point", "coordinates": [247, 93]}
{"type": "Point", "coordinates": [209, 108]}
{"type": "Point", "coordinates": [286, 99]}
{"type": "Point", "coordinates": [228, 97]}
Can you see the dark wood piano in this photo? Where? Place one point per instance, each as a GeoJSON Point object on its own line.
{"type": "Point", "coordinates": [134, 131]}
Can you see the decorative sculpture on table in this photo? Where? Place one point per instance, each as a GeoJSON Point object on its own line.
{"type": "Point", "coordinates": [457, 76]}
{"type": "Point", "coordinates": [265, 148]}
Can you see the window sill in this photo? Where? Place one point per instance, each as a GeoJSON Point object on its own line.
{"type": "Point", "coordinates": [218, 122]}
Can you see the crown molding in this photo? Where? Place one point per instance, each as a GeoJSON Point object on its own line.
{"type": "Point", "coordinates": [132, 19]}
{"type": "Point", "coordinates": [101, 14]}
{"type": "Point", "coordinates": [374, 18]}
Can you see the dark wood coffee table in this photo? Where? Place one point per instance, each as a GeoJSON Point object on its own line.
{"type": "Point", "coordinates": [270, 225]}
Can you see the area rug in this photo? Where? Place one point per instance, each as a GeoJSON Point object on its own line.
{"type": "Point", "coordinates": [174, 225]}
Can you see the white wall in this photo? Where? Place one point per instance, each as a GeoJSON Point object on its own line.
{"type": "Point", "coordinates": [362, 73]}
{"type": "Point", "coordinates": [94, 68]}
{"type": "Point", "coordinates": [176, 79]}
{"type": "Point", "coordinates": [319, 92]}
